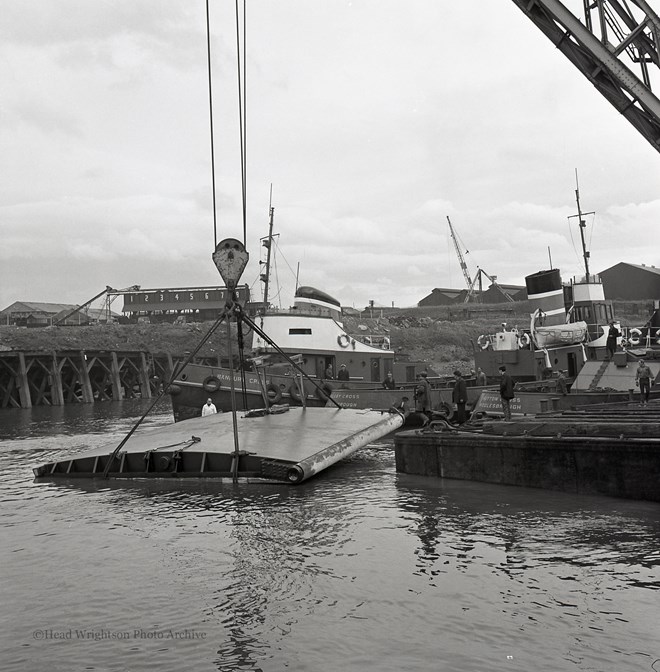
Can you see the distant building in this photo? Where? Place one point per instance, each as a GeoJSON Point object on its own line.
{"type": "Point", "coordinates": [443, 297]}
{"type": "Point", "coordinates": [33, 313]}
{"type": "Point", "coordinates": [39, 314]}
{"type": "Point", "coordinates": [189, 304]}
{"type": "Point", "coordinates": [630, 281]}
{"type": "Point", "coordinates": [495, 293]}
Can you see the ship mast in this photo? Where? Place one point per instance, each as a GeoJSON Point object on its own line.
{"type": "Point", "coordinates": [268, 244]}
{"type": "Point", "coordinates": [582, 224]}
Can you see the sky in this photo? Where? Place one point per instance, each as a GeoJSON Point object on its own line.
{"type": "Point", "coordinates": [371, 121]}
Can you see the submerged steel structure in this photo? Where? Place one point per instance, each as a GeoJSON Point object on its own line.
{"type": "Point", "coordinates": [616, 49]}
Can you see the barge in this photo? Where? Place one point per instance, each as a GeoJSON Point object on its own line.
{"type": "Point", "coordinates": [611, 450]}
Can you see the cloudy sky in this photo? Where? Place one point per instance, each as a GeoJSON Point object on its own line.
{"type": "Point", "coordinates": [373, 120]}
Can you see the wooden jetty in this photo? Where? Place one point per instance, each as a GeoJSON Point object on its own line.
{"type": "Point", "coordinates": [286, 446]}
{"type": "Point", "coordinates": [608, 449]}
{"type": "Point", "coordinates": [80, 376]}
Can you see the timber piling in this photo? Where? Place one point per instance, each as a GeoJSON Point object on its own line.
{"type": "Point", "coordinates": [62, 377]}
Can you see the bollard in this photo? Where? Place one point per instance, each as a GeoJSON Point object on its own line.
{"type": "Point", "coordinates": [544, 405]}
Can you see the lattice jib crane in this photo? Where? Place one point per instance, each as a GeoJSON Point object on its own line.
{"type": "Point", "coordinates": [616, 39]}
{"type": "Point", "coordinates": [461, 260]}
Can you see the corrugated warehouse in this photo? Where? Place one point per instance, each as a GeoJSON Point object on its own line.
{"type": "Point", "coordinates": [443, 297]}
{"type": "Point", "coordinates": [631, 282]}
{"type": "Point", "coordinates": [41, 314]}
{"type": "Point", "coordinates": [33, 313]}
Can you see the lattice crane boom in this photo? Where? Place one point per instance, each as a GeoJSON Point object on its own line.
{"type": "Point", "coordinates": [612, 41]}
{"type": "Point", "coordinates": [461, 260]}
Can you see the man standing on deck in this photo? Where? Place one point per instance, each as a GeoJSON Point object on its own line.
{"type": "Point", "coordinates": [481, 378]}
{"type": "Point", "coordinates": [459, 397]}
{"type": "Point", "coordinates": [423, 395]}
{"type": "Point", "coordinates": [209, 408]}
{"type": "Point", "coordinates": [388, 383]}
{"type": "Point", "coordinates": [612, 336]}
{"type": "Point", "coordinates": [506, 392]}
{"type": "Point", "coordinates": [343, 373]}
{"type": "Point", "coordinates": [643, 379]}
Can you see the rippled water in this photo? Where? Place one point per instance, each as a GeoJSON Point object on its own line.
{"type": "Point", "coordinates": [360, 569]}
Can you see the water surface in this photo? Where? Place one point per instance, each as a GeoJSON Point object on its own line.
{"type": "Point", "coordinates": [359, 569]}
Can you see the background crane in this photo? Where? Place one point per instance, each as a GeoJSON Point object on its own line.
{"type": "Point", "coordinates": [459, 254]}
{"type": "Point", "coordinates": [471, 284]}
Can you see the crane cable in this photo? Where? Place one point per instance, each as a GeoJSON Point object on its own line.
{"type": "Point", "coordinates": [242, 109]}
{"type": "Point", "coordinates": [242, 117]}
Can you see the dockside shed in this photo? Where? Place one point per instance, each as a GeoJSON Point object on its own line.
{"type": "Point", "coordinates": [631, 282]}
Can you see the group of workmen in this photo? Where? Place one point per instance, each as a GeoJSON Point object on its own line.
{"type": "Point", "coordinates": [459, 395]}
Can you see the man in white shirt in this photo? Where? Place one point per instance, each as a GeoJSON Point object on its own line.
{"type": "Point", "coordinates": [209, 408]}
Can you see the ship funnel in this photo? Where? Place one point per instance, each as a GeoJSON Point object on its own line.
{"type": "Point", "coordinates": [545, 292]}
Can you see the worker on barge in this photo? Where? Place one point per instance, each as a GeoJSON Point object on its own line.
{"type": "Point", "coordinates": [459, 396]}
{"type": "Point", "coordinates": [643, 379]}
{"type": "Point", "coordinates": [506, 392]}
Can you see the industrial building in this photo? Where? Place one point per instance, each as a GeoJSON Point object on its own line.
{"type": "Point", "coordinates": [190, 304]}
{"type": "Point", "coordinates": [634, 282]}
{"type": "Point", "coordinates": [40, 314]}
{"type": "Point", "coordinates": [496, 293]}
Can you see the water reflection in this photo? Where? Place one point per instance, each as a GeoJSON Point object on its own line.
{"type": "Point", "coordinates": [570, 565]}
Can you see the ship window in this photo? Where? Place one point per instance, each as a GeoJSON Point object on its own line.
{"type": "Point", "coordinates": [300, 331]}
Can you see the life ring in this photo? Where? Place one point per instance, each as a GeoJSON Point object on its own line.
{"type": "Point", "coordinates": [323, 391]}
{"type": "Point", "coordinates": [524, 341]}
{"type": "Point", "coordinates": [343, 340]}
{"type": "Point", "coordinates": [483, 341]}
{"type": "Point", "coordinates": [211, 384]}
{"type": "Point", "coordinates": [294, 393]}
{"type": "Point", "coordinates": [274, 393]}
{"type": "Point", "coordinates": [635, 336]}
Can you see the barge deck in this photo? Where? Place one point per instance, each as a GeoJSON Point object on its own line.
{"type": "Point", "coordinates": [611, 450]}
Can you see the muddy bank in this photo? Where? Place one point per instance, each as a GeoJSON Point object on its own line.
{"type": "Point", "coordinates": [444, 337]}
{"type": "Point", "coordinates": [443, 340]}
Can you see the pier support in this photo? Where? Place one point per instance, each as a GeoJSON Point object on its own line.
{"type": "Point", "coordinates": [58, 378]}
{"type": "Point", "coordinates": [23, 384]}
{"type": "Point", "coordinates": [56, 391]}
{"type": "Point", "coordinates": [116, 378]}
{"type": "Point", "coordinates": [86, 385]}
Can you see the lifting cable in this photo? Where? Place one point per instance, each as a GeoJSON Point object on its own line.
{"type": "Point", "coordinates": [177, 370]}
{"type": "Point", "coordinates": [242, 109]}
{"type": "Point", "coordinates": [208, 56]}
